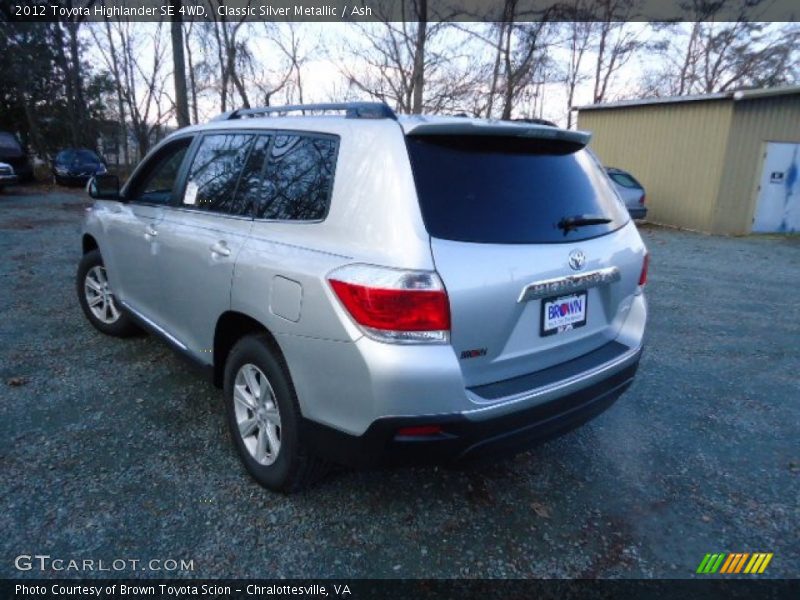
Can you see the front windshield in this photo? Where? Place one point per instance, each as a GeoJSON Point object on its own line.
{"type": "Point", "coordinates": [85, 156]}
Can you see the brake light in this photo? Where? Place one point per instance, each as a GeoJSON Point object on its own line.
{"type": "Point", "coordinates": [645, 266]}
{"type": "Point", "coordinates": [642, 199]}
{"type": "Point", "coordinates": [393, 305]}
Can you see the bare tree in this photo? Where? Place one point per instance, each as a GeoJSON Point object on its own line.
{"type": "Point", "coordinates": [232, 55]}
{"type": "Point", "coordinates": [137, 57]}
{"type": "Point", "coordinates": [408, 63]}
{"type": "Point", "coordinates": [287, 37]}
{"type": "Point", "coordinates": [109, 53]}
{"type": "Point", "coordinates": [68, 58]}
{"type": "Point", "coordinates": [616, 43]}
{"type": "Point", "coordinates": [708, 57]}
{"type": "Point", "coordinates": [520, 44]}
{"type": "Point", "coordinates": [579, 38]}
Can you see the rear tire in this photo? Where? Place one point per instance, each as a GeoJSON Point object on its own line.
{"type": "Point", "coordinates": [98, 301]}
{"type": "Point", "coordinates": [264, 417]}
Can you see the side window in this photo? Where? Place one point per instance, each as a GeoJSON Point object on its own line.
{"type": "Point", "coordinates": [214, 173]}
{"type": "Point", "coordinates": [299, 178]}
{"type": "Point", "coordinates": [155, 183]}
{"type": "Point", "coordinates": [251, 184]}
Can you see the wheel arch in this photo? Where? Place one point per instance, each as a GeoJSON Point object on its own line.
{"type": "Point", "coordinates": [231, 327]}
{"type": "Point", "coordinates": [88, 243]}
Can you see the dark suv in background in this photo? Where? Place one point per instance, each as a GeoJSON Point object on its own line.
{"type": "Point", "coordinates": [12, 152]}
{"type": "Point", "coordinates": [76, 166]}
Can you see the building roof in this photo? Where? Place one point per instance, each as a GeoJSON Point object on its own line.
{"type": "Point", "coordinates": [735, 96]}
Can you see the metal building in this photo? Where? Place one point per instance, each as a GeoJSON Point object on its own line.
{"type": "Point", "coordinates": [721, 163]}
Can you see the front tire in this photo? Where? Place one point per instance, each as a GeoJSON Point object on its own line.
{"type": "Point", "coordinates": [98, 301]}
{"type": "Point", "coordinates": [264, 417]}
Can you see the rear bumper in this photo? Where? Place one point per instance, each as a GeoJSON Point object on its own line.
{"type": "Point", "coordinates": [465, 439]}
{"type": "Point", "coordinates": [22, 168]}
{"type": "Point", "coordinates": [639, 212]}
{"type": "Point", "coordinates": [73, 179]}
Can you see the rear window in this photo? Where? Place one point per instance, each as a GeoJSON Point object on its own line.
{"type": "Point", "coordinates": [504, 190]}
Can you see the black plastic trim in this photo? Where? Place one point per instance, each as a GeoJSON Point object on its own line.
{"type": "Point", "coordinates": [463, 439]}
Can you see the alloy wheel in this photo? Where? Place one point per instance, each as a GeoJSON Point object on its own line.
{"type": "Point", "coordinates": [257, 414]}
{"type": "Point", "coordinates": [99, 297]}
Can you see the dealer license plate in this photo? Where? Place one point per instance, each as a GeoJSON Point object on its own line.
{"type": "Point", "coordinates": [563, 313]}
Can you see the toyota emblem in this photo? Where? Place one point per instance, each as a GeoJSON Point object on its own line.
{"type": "Point", "coordinates": [577, 259]}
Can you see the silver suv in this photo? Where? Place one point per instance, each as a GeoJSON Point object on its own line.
{"type": "Point", "coordinates": [372, 289]}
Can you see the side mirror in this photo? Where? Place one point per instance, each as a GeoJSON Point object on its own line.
{"type": "Point", "coordinates": [104, 187]}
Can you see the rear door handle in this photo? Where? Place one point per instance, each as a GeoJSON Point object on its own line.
{"type": "Point", "coordinates": [150, 232]}
{"type": "Point", "coordinates": [220, 248]}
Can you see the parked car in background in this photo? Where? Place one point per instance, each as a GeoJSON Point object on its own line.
{"type": "Point", "coordinates": [367, 288]}
{"type": "Point", "coordinates": [76, 166]}
{"type": "Point", "coordinates": [7, 175]}
{"type": "Point", "coordinates": [631, 191]}
{"type": "Point", "coordinates": [12, 153]}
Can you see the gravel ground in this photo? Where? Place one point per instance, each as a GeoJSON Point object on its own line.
{"type": "Point", "coordinates": [114, 449]}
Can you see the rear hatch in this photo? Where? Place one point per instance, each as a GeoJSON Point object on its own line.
{"type": "Point", "coordinates": [532, 243]}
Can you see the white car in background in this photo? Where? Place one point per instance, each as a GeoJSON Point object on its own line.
{"type": "Point", "coordinates": [7, 175]}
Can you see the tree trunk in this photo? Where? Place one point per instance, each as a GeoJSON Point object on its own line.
{"type": "Point", "coordinates": [223, 65]}
{"type": "Point", "coordinates": [687, 61]}
{"type": "Point", "coordinates": [418, 73]}
{"type": "Point", "coordinates": [179, 66]}
{"type": "Point", "coordinates": [508, 94]}
{"type": "Point", "coordinates": [192, 79]}
{"type": "Point", "coordinates": [63, 63]}
{"type": "Point", "coordinates": [601, 51]}
{"type": "Point", "coordinates": [33, 124]}
{"type": "Point", "coordinates": [77, 85]}
{"type": "Point", "coordinates": [496, 69]}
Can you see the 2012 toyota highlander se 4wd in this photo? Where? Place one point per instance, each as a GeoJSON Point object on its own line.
{"type": "Point", "coordinates": [367, 288]}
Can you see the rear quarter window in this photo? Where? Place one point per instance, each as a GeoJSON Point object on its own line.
{"type": "Point", "coordinates": [298, 179]}
{"type": "Point", "coordinates": [506, 190]}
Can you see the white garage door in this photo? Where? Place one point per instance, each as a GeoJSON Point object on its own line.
{"type": "Point", "coordinates": [778, 207]}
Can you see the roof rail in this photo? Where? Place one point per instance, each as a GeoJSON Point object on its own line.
{"type": "Point", "coordinates": [353, 110]}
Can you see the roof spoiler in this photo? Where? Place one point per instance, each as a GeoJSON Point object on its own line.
{"type": "Point", "coordinates": [500, 129]}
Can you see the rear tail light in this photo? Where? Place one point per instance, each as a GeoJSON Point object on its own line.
{"type": "Point", "coordinates": [642, 199]}
{"type": "Point", "coordinates": [645, 265]}
{"type": "Point", "coordinates": [393, 305]}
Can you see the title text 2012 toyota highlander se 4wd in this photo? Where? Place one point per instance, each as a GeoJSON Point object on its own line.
{"type": "Point", "coordinates": [372, 289]}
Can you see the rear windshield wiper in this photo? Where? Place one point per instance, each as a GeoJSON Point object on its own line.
{"type": "Point", "coordinates": [568, 224]}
